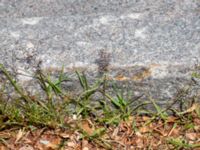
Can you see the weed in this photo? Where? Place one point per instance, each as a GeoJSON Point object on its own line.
{"type": "Point", "coordinates": [179, 144]}
{"type": "Point", "coordinates": [50, 86]}
{"type": "Point", "coordinates": [110, 110]}
{"type": "Point", "coordinates": [84, 102]}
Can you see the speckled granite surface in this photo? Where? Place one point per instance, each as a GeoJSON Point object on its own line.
{"type": "Point", "coordinates": [160, 37]}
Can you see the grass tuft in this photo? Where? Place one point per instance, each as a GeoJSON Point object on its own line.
{"type": "Point", "coordinates": [112, 120]}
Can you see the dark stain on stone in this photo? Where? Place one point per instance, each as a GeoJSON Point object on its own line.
{"type": "Point", "coordinates": [103, 62]}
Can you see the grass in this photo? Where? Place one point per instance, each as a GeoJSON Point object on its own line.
{"type": "Point", "coordinates": [182, 144]}
{"type": "Point", "coordinates": [111, 121]}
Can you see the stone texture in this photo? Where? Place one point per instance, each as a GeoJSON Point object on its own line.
{"type": "Point", "coordinates": [153, 45]}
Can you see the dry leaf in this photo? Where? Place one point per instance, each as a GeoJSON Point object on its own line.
{"type": "Point", "coordinates": [19, 135]}
{"type": "Point", "coordinates": [5, 135]}
{"type": "Point", "coordinates": [87, 127]}
{"type": "Point", "coordinates": [85, 145]}
{"type": "Point", "coordinates": [191, 136]}
{"type": "Point", "coordinates": [71, 144]}
{"type": "Point", "coordinates": [174, 132]}
{"type": "Point", "coordinates": [52, 146]}
{"type": "Point", "coordinates": [45, 142]}
{"type": "Point", "coordinates": [130, 120]}
{"type": "Point", "coordinates": [139, 143]}
{"type": "Point", "coordinates": [3, 148]}
{"type": "Point", "coordinates": [197, 121]}
{"type": "Point", "coordinates": [26, 147]}
{"type": "Point", "coordinates": [145, 118]}
{"type": "Point", "coordinates": [196, 128]}
{"type": "Point", "coordinates": [115, 132]}
{"type": "Point", "coordinates": [144, 129]}
{"type": "Point", "coordinates": [138, 134]}
{"type": "Point", "coordinates": [160, 132]}
{"type": "Point", "coordinates": [191, 109]}
{"type": "Point", "coordinates": [64, 135]}
{"type": "Point", "coordinates": [171, 119]}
